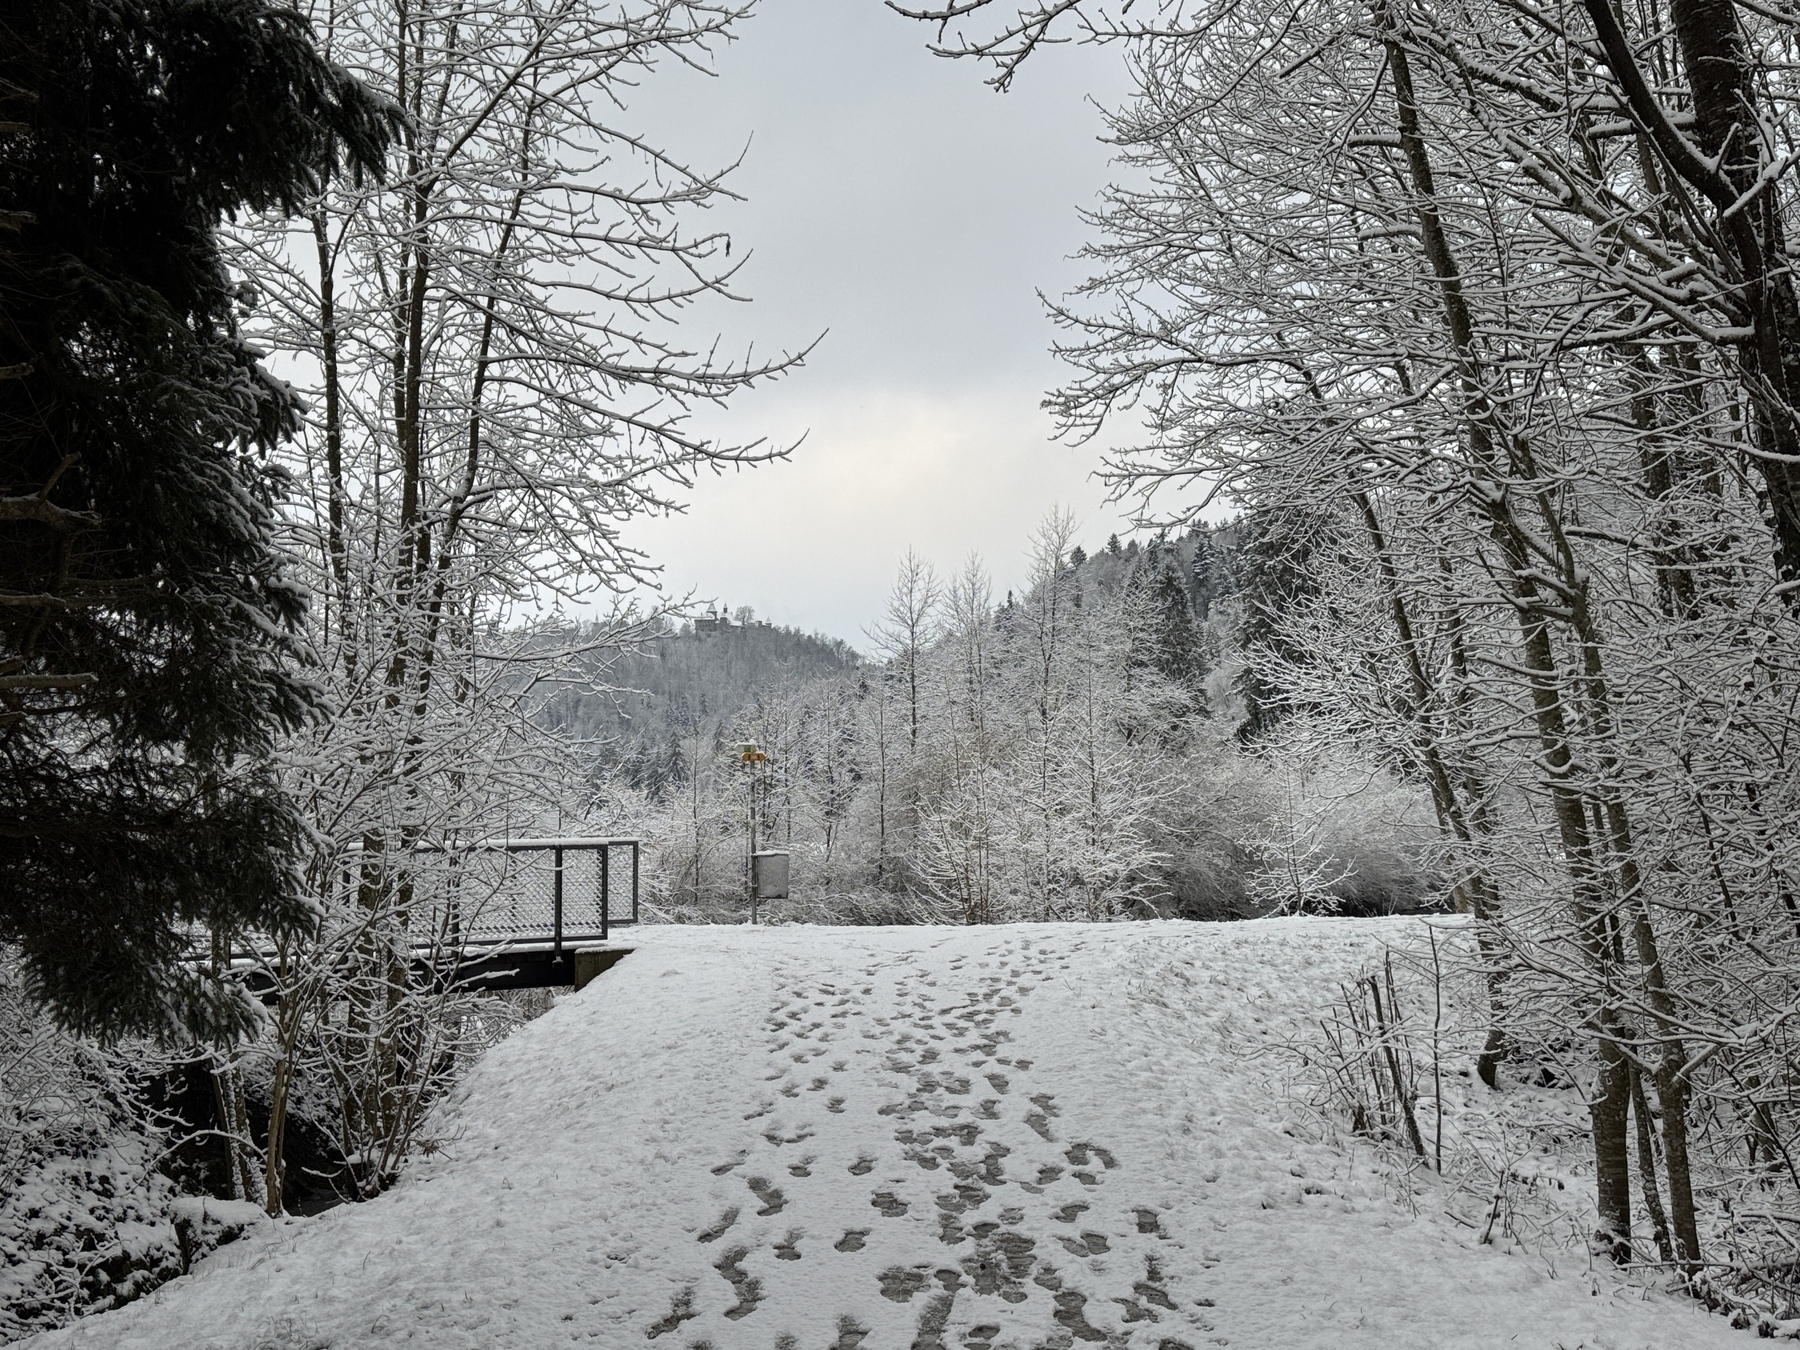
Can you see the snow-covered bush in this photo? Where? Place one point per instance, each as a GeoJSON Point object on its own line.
{"type": "Point", "coordinates": [94, 1172]}
{"type": "Point", "coordinates": [86, 1220]}
{"type": "Point", "coordinates": [1340, 836]}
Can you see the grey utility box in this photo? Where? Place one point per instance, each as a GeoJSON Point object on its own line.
{"type": "Point", "coordinates": [769, 874]}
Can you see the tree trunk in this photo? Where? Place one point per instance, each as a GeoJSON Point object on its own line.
{"type": "Point", "coordinates": [1653, 1205]}
{"type": "Point", "coordinates": [1492, 451]}
{"type": "Point", "coordinates": [1612, 1158]}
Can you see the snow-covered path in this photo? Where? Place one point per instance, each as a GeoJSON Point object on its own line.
{"type": "Point", "coordinates": [943, 1139]}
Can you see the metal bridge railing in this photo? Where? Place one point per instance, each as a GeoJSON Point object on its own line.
{"type": "Point", "coordinates": [495, 892]}
{"type": "Point", "coordinates": [493, 904]}
{"type": "Point", "coordinates": [559, 891]}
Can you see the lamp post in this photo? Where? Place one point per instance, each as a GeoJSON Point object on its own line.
{"type": "Point", "coordinates": [750, 754]}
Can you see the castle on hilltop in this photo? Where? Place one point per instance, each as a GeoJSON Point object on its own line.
{"type": "Point", "coordinates": [719, 620]}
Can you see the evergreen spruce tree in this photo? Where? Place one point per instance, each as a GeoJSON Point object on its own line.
{"type": "Point", "coordinates": [148, 648]}
{"type": "Point", "coordinates": [1164, 635]}
{"type": "Point", "coordinates": [1274, 574]}
{"type": "Point", "coordinates": [1200, 570]}
{"type": "Point", "coordinates": [1214, 567]}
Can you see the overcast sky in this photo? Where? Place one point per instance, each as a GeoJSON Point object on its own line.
{"type": "Point", "coordinates": [900, 206]}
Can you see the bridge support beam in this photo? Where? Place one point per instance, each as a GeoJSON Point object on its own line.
{"type": "Point", "coordinates": [591, 964]}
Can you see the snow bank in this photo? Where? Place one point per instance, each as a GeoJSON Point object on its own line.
{"type": "Point", "coordinates": [825, 1138]}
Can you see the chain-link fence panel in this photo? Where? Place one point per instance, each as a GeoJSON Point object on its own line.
{"type": "Point", "coordinates": [484, 895]}
{"type": "Point", "coordinates": [512, 893]}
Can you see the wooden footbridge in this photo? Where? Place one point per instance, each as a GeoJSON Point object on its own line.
{"type": "Point", "coordinates": [509, 913]}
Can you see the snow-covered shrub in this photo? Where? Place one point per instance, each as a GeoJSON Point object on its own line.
{"type": "Point", "coordinates": [85, 1217]}
{"type": "Point", "coordinates": [88, 1219]}
{"type": "Point", "coordinates": [1388, 1073]}
{"type": "Point", "coordinates": [1341, 836]}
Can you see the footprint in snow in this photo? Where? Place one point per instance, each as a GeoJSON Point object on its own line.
{"type": "Point", "coordinates": [1078, 1154]}
{"type": "Point", "coordinates": [719, 1229]}
{"type": "Point", "coordinates": [991, 1168]}
{"type": "Point", "coordinates": [1071, 1312]}
{"type": "Point", "coordinates": [1149, 1222]}
{"type": "Point", "coordinates": [773, 1200]}
{"type": "Point", "coordinates": [900, 1284]}
{"type": "Point", "coordinates": [966, 1197]}
{"type": "Point", "coordinates": [928, 1159]}
{"type": "Point", "coordinates": [747, 1287]}
{"type": "Point", "coordinates": [680, 1310]}
{"type": "Point", "coordinates": [1153, 1293]}
{"type": "Point", "coordinates": [1000, 1262]}
{"type": "Point", "coordinates": [1089, 1244]}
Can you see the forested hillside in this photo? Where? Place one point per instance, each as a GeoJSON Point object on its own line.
{"type": "Point", "coordinates": [630, 710]}
{"type": "Point", "coordinates": [1093, 747]}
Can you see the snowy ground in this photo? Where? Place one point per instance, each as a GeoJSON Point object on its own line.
{"type": "Point", "coordinates": [942, 1139]}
